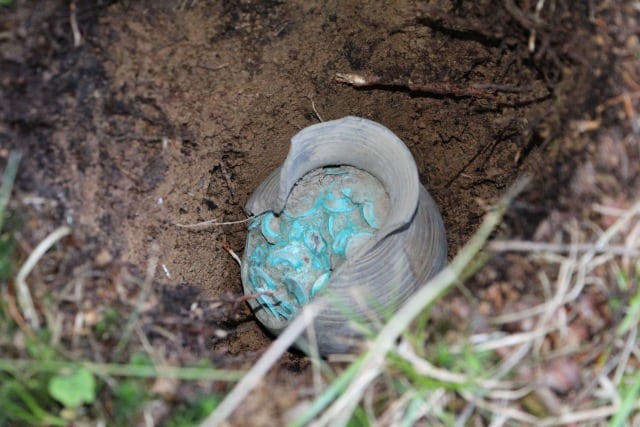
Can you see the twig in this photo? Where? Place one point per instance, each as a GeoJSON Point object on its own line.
{"type": "Point", "coordinates": [212, 68]}
{"type": "Point", "coordinates": [313, 105]}
{"type": "Point", "coordinates": [22, 289]}
{"type": "Point", "coordinates": [513, 339]}
{"type": "Point", "coordinates": [262, 366]}
{"type": "Point", "coordinates": [77, 37]}
{"type": "Point", "coordinates": [618, 99]}
{"type": "Point", "coordinates": [247, 297]}
{"type": "Point", "coordinates": [341, 410]}
{"type": "Point", "coordinates": [479, 90]}
{"type": "Point", "coordinates": [212, 222]}
{"type": "Point", "coordinates": [232, 253]}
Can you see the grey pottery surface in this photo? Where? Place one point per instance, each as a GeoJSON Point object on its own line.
{"type": "Point", "coordinates": [407, 250]}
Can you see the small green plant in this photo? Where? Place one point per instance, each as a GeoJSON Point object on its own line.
{"type": "Point", "coordinates": [128, 395]}
{"type": "Point", "coordinates": [193, 412]}
{"type": "Point", "coordinates": [24, 400]}
{"type": "Point", "coordinates": [108, 325]}
{"type": "Point", "coordinates": [73, 388]}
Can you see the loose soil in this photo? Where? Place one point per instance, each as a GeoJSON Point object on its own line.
{"type": "Point", "coordinates": [170, 113]}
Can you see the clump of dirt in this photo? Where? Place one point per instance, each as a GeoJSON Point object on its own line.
{"type": "Point", "coordinates": [171, 113]}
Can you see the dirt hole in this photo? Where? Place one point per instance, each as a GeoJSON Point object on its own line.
{"type": "Point", "coordinates": [173, 113]}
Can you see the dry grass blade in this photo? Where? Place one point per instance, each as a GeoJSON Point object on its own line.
{"type": "Point", "coordinates": [423, 367]}
{"type": "Point", "coordinates": [573, 275]}
{"type": "Point", "coordinates": [513, 339]}
{"type": "Point", "coordinates": [568, 266]}
{"type": "Point", "coordinates": [22, 289]}
{"type": "Point", "coordinates": [583, 416]}
{"type": "Point", "coordinates": [340, 411]}
{"type": "Point", "coordinates": [503, 411]}
{"type": "Point", "coordinates": [262, 366]}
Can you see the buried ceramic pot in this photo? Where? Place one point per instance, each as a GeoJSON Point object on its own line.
{"type": "Point", "coordinates": [345, 219]}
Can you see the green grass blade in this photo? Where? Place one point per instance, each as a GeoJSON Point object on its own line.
{"type": "Point", "coordinates": [37, 414]}
{"type": "Point", "coordinates": [8, 178]}
{"type": "Point", "coordinates": [628, 404]}
{"type": "Point", "coordinates": [124, 370]}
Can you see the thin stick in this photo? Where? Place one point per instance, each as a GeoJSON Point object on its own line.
{"type": "Point", "coordinates": [23, 294]}
{"type": "Point", "coordinates": [478, 90]}
{"type": "Point", "coordinates": [232, 253]}
{"type": "Point", "coordinates": [513, 339]}
{"type": "Point", "coordinates": [213, 222]}
{"type": "Point", "coordinates": [247, 297]}
{"type": "Point", "coordinates": [77, 37]}
{"type": "Point", "coordinates": [614, 229]}
{"type": "Point", "coordinates": [262, 366]}
{"type": "Point", "coordinates": [341, 410]}
{"type": "Point", "coordinates": [313, 105]}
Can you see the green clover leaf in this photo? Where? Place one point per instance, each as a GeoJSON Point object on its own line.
{"type": "Point", "coordinates": [74, 388]}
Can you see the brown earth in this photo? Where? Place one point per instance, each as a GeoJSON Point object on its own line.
{"type": "Point", "coordinates": [172, 112]}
